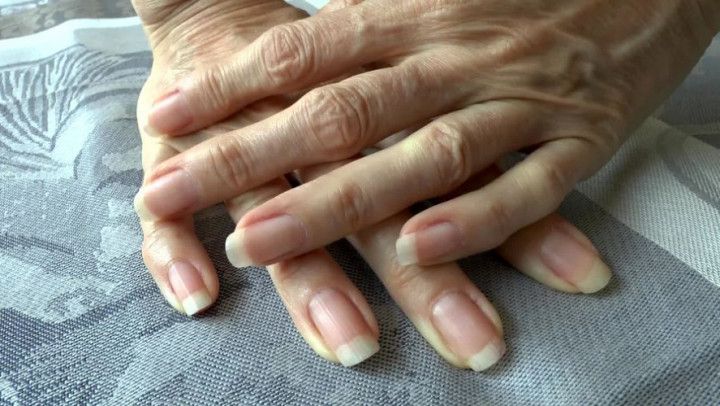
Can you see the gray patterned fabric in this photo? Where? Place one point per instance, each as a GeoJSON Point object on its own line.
{"type": "Point", "coordinates": [81, 321]}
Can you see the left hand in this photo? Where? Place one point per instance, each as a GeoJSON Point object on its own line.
{"type": "Point", "coordinates": [569, 79]}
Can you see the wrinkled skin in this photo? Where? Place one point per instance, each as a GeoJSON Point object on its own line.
{"type": "Point", "coordinates": [567, 80]}
{"type": "Point", "coordinates": [190, 36]}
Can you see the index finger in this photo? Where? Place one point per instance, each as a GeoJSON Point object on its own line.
{"type": "Point", "coordinates": [286, 58]}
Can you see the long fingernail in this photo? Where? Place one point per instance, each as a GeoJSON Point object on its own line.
{"type": "Point", "coordinates": [189, 287]}
{"type": "Point", "coordinates": [467, 331]}
{"type": "Point", "coordinates": [170, 113]}
{"type": "Point", "coordinates": [167, 195]}
{"type": "Point", "coordinates": [343, 327]}
{"type": "Point", "coordinates": [429, 244]}
{"type": "Point", "coordinates": [575, 261]}
{"type": "Point", "coordinates": [266, 241]}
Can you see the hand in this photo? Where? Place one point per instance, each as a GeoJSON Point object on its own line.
{"type": "Point", "coordinates": [327, 309]}
{"type": "Point", "coordinates": [565, 79]}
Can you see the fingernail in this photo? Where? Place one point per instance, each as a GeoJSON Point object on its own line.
{"type": "Point", "coordinates": [170, 113]}
{"type": "Point", "coordinates": [170, 194]}
{"type": "Point", "coordinates": [140, 208]}
{"type": "Point", "coordinates": [171, 298]}
{"type": "Point", "coordinates": [467, 331]}
{"type": "Point", "coordinates": [266, 241]}
{"type": "Point", "coordinates": [343, 327]}
{"type": "Point", "coordinates": [428, 244]}
{"type": "Point", "coordinates": [189, 288]}
{"type": "Point", "coordinates": [149, 130]}
{"type": "Point", "coordinates": [575, 261]}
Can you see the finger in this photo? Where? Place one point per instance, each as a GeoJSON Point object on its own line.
{"type": "Point", "coordinates": [555, 253]}
{"type": "Point", "coordinates": [534, 250]}
{"type": "Point", "coordinates": [327, 124]}
{"type": "Point", "coordinates": [483, 219]}
{"type": "Point", "coordinates": [434, 160]}
{"type": "Point", "coordinates": [445, 306]}
{"type": "Point", "coordinates": [173, 254]}
{"type": "Point", "coordinates": [328, 310]}
{"type": "Point", "coordinates": [286, 58]}
{"type": "Point", "coordinates": [179, 265]}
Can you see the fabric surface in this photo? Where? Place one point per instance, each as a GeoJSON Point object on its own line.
{"type": "Point", "coordinates": [81, 321]}
{"type": "Point", "coordinates": [23, 17]}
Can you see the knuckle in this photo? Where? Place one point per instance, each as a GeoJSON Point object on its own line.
{"type": "Point", "coordinates": [450, 154]}
{"type": "Point", "coordinates": [230, 163]}
{"type": "Point", "coordinates": [215, 86]}
{"type": "Point", "coordinates": [350, 206]}
{"type": "Point", "coordinates": [336, 119]}
{"type": "Point", "coordinates": [285, 53]}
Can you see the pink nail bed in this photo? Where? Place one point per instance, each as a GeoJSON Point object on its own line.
{"type": "Point", "coordinates": [170, 194]}
{"type": "Point", "coordinates": [342, 327]}
{"type": "Point", "coordinates": [266, 241]}
{"type": "Point", "coordinates": [170, 113]}
{"type": "Point", "coordinates": [467, 331]}
{"type": "Point", "coordinates": [189, 288]}
{"type": "Point", "coordinates": [574, 261]}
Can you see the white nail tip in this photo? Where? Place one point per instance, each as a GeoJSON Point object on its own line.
{"type": "Point", "coordinates": [488, 357]}
{"type": "Point", "coordinates": [140, 208]}
{"type": "Point", "coordinates": [235, 250]}
{"type": "Point", "coordinates": [356, 351]}
{"type": "Point", "coordinates": [405, 249]}
{"type": "Point", "coordinates": [598, 277]}
{"type": "Point", "coordinates": [196, 302]}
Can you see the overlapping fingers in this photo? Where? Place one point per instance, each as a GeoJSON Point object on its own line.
{"type": "Point", "coordinates": [327, 309]}
{"type": "Point", "coordinates": [433, 161]}
{"type": "Point", "coordinates": [441, 301]}
{"type": "Point", "coordinates": [328, 123]}
{"type": "Point", "coordinates": [446, 307]}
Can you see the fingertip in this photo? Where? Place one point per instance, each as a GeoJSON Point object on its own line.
{"type": "Point", "coordinates": [406, 251]}
{"type": "Point", "coordinates": [171, 113]}
{"type": "Point", "coordinates": [468, 330]}
{"type": "Point", "coordinates": [357, 350]}
{"type": "Point", "coordinates": [235, 250]}
{"type": "Point", "coordinates": [573, 259]}
{"type": "Point", "coordinates": [151, 131]}
{"type": "Point", "coordinates": [141, 208]}
{"type": "Point", "coordinates": [597, 278]}
{"type": "Point", "coordinates": [342, 326]}
{"type": "Point", "coordinates": [488, 356]}
{"type": "Point", "coordinates": [556, 254]}
{"type": "Point", "coordinates": [189, 287]}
